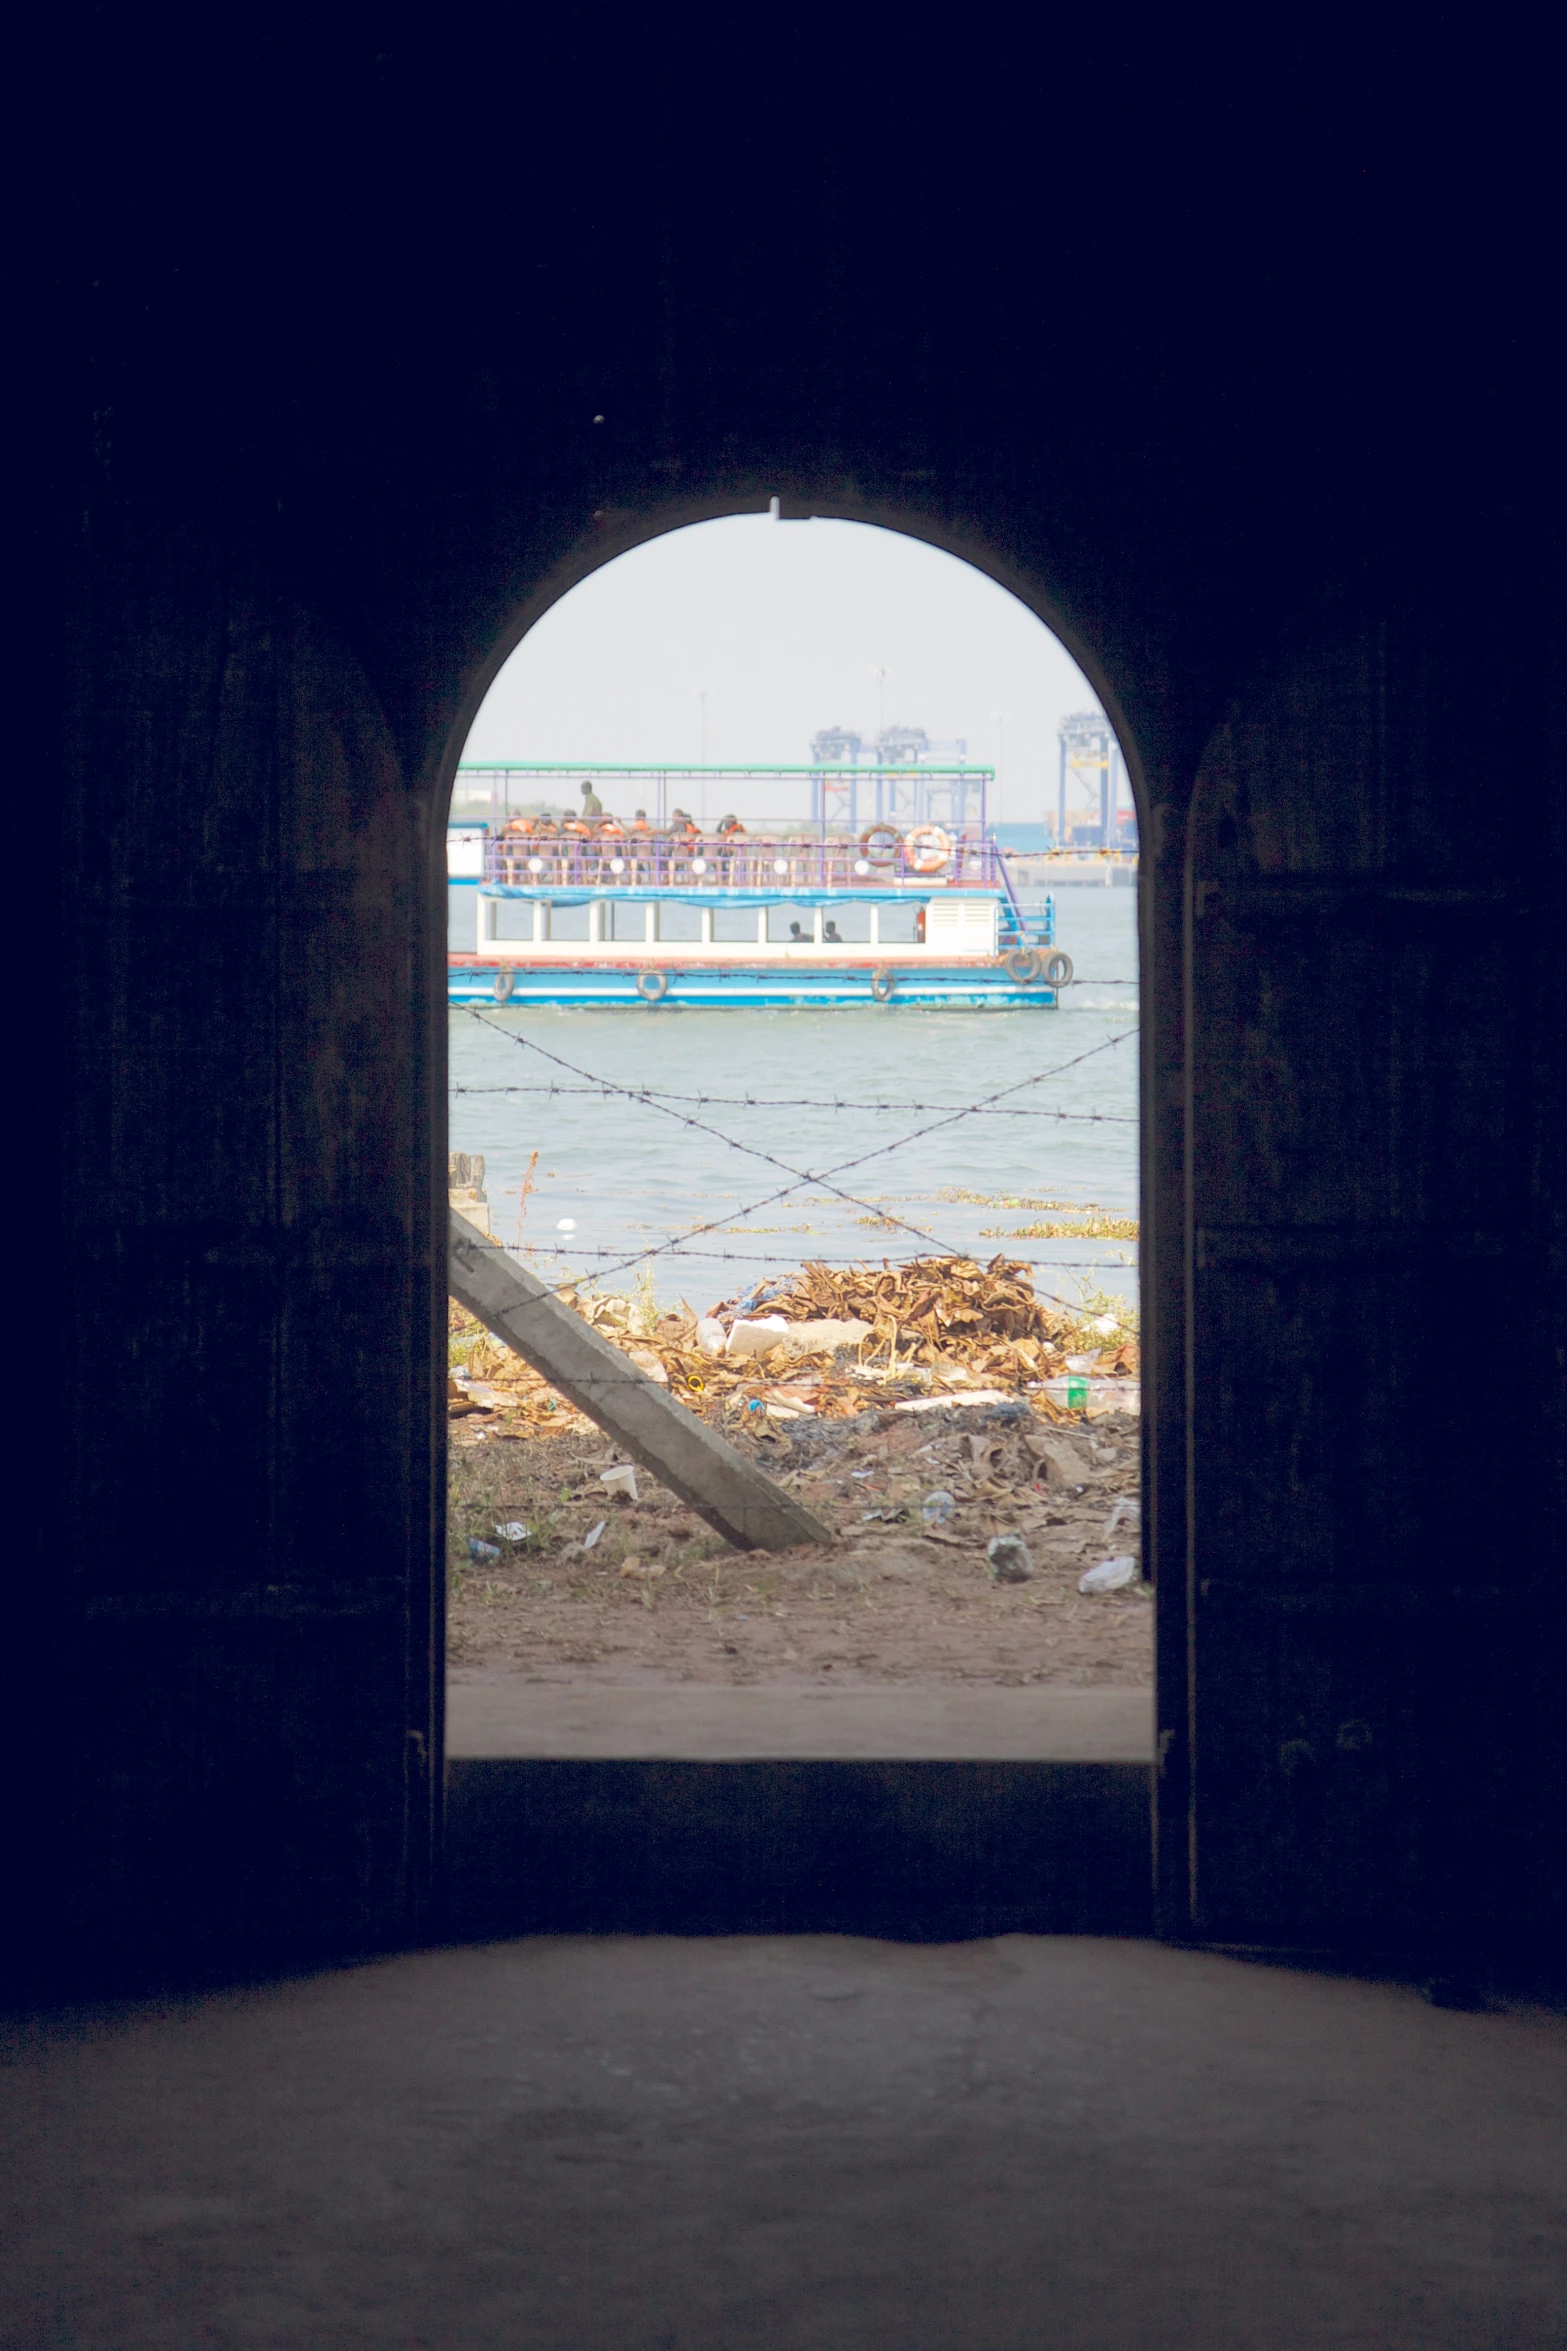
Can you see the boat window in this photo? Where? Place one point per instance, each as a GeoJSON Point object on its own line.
{"type": "Point", "coordinates": [679, 922]}
{"type": "Point", "coordinates": [900, 925]}
{"type": "Point", "coordinates": [782, 922]}
{"type": "Point", "coordinates": [567, 922]}
{"type": "Point", "coordinates": [625, 921]}
{"type": "Point", "coordinates": [513, 918]}
{"type": "Point", "coordinates": [853, 921]}
{"type": "Point", "coordinates": [735, 925]}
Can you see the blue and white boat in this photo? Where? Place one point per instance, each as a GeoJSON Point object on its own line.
{"type": "Point", "coordinates": [660, 913]}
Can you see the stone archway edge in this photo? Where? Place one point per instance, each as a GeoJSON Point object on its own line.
{"type": "Point", "coordinates": [734, 1498]}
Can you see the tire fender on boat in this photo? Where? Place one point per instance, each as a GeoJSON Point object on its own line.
{"type": "Point", "coordinates": [1022, 964]}
{"type": "Point", "coordinates": [883, 981]}
{"type": "Point", "coordinates": [928, 848]}
{"type": "Point", "coordinates": [1057, 969]}
{"type": "Point", "coordinates": [505, 981]}
{"type": "Point", "coordinates": [652, 986]}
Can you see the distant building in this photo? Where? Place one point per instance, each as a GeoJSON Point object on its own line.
{"type": "Point", "coordinates": [1091, 761]}
{"type": "Point", "coordinates": [908, 779]}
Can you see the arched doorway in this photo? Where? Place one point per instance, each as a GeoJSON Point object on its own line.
{"type": "Point", "coordinates": [778, 611]}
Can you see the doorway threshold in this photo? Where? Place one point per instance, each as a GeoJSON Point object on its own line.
{"type": "Point", "coordinates": [926, 1815]}
{"type": "Point", "coordinates": [503, 1715]}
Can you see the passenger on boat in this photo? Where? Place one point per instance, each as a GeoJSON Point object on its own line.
{"type": "Point", "coordinates": [639, 823]}
{"type": "Point", "coordinates": [831, 934]}
{"type": "Point", "coordinates": [592, 805]}
{"type": "Point", "coordinates": [730, 833]}
{"type": "Point", "coordinates": [797, 934]}
{"type": "Point", "coordinates": [682, 821]}
{"type": "Point", "coordinates": [513, 837]}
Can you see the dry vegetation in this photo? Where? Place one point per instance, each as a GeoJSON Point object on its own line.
{"type": "Point", "coordinates": [654, 1595]}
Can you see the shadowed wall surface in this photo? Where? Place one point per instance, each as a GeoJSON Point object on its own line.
{"type": "Point", "coordinates": [352, 403]}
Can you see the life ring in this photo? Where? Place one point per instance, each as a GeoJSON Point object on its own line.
{"type": "Point", "coordinates": [1058, 968]}
{"type": "Point", "coordinates": [883, 982]}
{"type": "Point", "coordinates": [927, 849]}
{"type": "Point", "coordinates": [881, 843]}
{"type": "Point", "coordinates": [1023, 966]}
{"type": "Point", "coordinates": [505, 981]}
{"type": "Point", "coordinates": [652, 986]}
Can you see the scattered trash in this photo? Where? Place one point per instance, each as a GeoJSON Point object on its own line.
{"type": "Point", "coordinates": [622, 1479]}
{"type": "Point", "coordinates": [755, 1338]}
{"type": "Point", "coordinates": [1125, 1511]}
{"type": "Point", "coordinates": [514, 1531]}
{"type": "Point", "coordinates": [938, 1507]}
{"type": "Point", "coordinates": [825, 1337]}
{"type": "Point", "coordinates": [593, 1534]}
{"type": "Point", "coordinates": [1110, 1575]}
{"type": "Point", "coordinates": [1011, 1561]}
{"type": "Point", "coordinates": [644, 1572]}
{"type": "Point", "coordinates": [761, 1293]}
{"type": "Point", "coordinates": [1078, 1394]}
{"type": "Point", "coordinates": [929, 1334]}
{"type": "Point", "coordinates": [481, 1550]}
{"type": "Point", "coordinates": [967, 1401]}
{"type": "Point", "coordinates": [1058, 1460]}
{"type": "Point", "coordinates": [1081, 1364]}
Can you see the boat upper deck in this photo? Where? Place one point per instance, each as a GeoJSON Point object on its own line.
{"type": "Point", "coordinates": [781, 865]}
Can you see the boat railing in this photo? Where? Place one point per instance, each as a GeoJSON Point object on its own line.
{"type": "Point", "coordinates": [633, 860]}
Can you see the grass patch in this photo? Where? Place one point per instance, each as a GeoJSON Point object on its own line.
{"type": "Point", "coordinates": [1090, 1227]}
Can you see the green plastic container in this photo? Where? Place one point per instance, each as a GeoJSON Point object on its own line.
{"type": "Point", "coordinates": [1076, 1395]}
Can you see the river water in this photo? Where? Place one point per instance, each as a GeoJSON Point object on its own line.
{"type": "Point", "coordinates": [635, 1116]}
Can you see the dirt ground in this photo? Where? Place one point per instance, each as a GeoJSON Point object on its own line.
{"type": "Point", "coordinates": [659, 1598]}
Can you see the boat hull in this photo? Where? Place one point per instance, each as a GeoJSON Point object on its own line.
{"type": "Point", "coordinates": [761, 988]}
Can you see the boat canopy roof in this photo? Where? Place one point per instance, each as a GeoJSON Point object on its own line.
{"type": "Point", "coordinates": [803, 894]}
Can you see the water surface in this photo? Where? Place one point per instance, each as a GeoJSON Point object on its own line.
{"type": "Point", "coordinates": [635, 1174]}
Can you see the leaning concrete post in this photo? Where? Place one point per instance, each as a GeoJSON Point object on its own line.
{"type": "Point", "coordinates": [736, 1500]}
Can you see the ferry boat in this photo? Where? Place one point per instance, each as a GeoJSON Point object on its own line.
{"type": "Point", "coordinates": [636, 914]}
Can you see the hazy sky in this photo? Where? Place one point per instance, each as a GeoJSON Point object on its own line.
{"type": "Point", "coordinates": [784, 623]}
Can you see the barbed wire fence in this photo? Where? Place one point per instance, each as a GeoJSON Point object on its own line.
{"type": "Point", "coordinates": [676, 1247]}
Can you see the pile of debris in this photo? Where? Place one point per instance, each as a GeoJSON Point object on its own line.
{"type": "Point", "coordinates": [828, 1342]}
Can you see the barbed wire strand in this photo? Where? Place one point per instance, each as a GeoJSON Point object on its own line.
{"type": "Point", "coordinates": [781, 1257]}
{"type": "Point", "coordinates": [604, 1087]}
{"type": "Point", "coordinates": [749, 1150]}
{"type": "Point", "coordinates": [800, 1179]}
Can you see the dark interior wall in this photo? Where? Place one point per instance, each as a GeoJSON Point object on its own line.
{"type": "Point", "coordinates": [346, 315]}
{"type": "Point", "coordinates": [1374, 1086]}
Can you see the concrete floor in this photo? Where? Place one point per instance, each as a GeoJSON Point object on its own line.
{"type": "Point", "coordinates": [798, 2144]}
